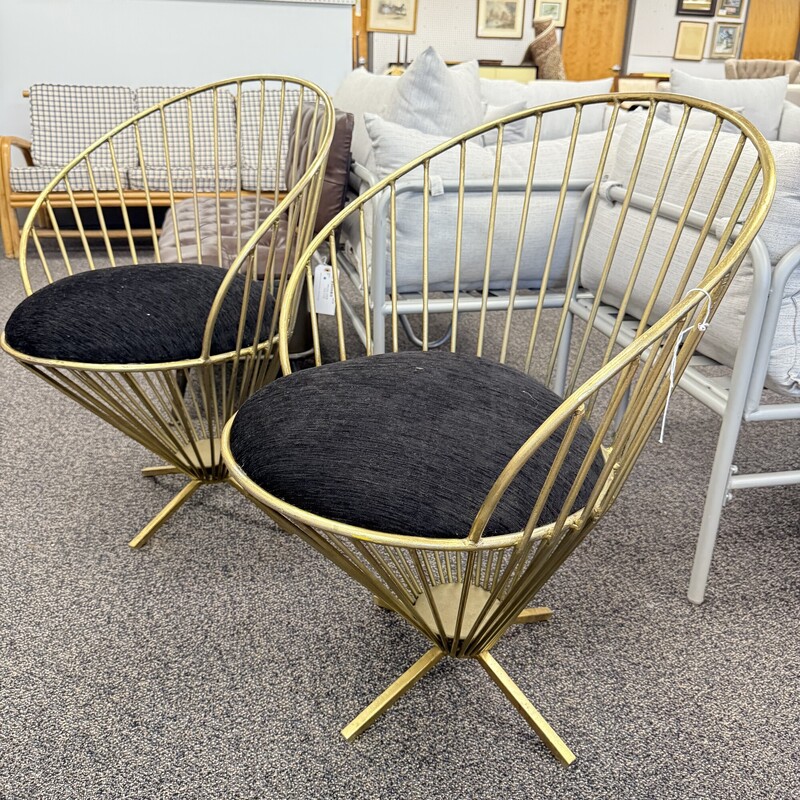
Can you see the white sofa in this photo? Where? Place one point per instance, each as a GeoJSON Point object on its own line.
{"type": "Point", "coordinates": [756, 332]}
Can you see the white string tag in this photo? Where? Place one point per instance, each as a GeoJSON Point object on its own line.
{"type": "Point", "coordinates": [701, 326]}
{"type": "Point", "coordinates": [324, 297]}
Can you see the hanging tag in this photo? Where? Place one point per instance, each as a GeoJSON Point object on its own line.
{"type": "Point", "coordinates": [324, 299]}
{"type": "Point", "coordinates": [436, 185]}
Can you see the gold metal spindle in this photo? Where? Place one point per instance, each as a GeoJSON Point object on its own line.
{"type": "Point", "coordinates": [426, 191]}
{"type": "Point", "coordinates": [537, 316]}
{"type": "Point", "coordinates": [148, 199]}
{"type": "Point", "coordinates": [392, 260]}
{"type": "Point", "coordinates": [365, 280]}
{"type": "Point", "coordinates": [523, 227]}
{"type": "Point", "coordinates": [59, 238]}
{"type": "Point", "coordinates": [462, 171]}
{"type": "Point", "coordinates": [615, 239]}
{"type": "Point", "coordinates": [122, 203]}
{"type": "Point", "coordinates": [76, 215]}
{"type": "Point", "coordinates": [337, 298]}
{"type": "Point", "coordinates": [100, 213]}
{"type": "Point", "coordinates": [574, 272]}
{"type": "Point", "coordinates": [487, 265]}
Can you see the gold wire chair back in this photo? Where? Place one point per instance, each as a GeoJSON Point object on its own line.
{"type": "Point", "coordinates": [668, 240]}
{"type": "Point", "coordinates": [219, 167]}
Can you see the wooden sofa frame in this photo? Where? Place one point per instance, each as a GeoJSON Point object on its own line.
{"type": "Point", "coordinates": [11, 201]}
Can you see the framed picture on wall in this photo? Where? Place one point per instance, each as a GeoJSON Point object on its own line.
{"type": "Point", "coordinates": [392, 16]}
{"type": "Point", "coordinates": [730, 8]}
{"type": "Point", "coordinates": [727, 36]}
{"type": "Point", "coordinates": [553, 9]}
{"type": "Point", "coordinates": [500, 19]}
{"type": "Point", "coordinates": [700, 8]}
{"type": "Point", "coordinates": [691, 41]}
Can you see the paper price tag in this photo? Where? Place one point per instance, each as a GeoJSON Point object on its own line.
{"type": "Point", "coordinates": [324, 298]}
{"type": "Point", "coordinates": [436, 185]}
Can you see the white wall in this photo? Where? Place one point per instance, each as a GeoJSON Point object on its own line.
{"type": "Point", "coordinates": [171, 42]}
{"type": "Point", "coordinates": [449, 26]}
{"type": "Point", "coordinates": [655, 29]}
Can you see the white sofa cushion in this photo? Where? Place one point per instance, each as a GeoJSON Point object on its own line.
{"type": "Point", "coordinates": [65, 120]}
{"type": "Point", "coordinates": [780, 232]}
{"type": "Point", "coordinates": [177, 123]}
{"type": "Point", "coordinates": [790, 123]}
{"type": "Point", "coordinates": [361, 91]}
{"type": "Point", "coordinates": [537, 93]}
{"type": "Point", "coordinates": [760, 99]}
{"type": "Point", "coordinates": [513, 132]}
{"type": "Point", "coordinates": [434, 98]}
{"type": "Point", "coordinates": [395, 146]}
{"type": "Point", "coordinates": [559, 124]}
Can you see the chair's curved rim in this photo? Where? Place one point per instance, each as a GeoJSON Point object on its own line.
{"type": "Point", "coordinates": [297, 514]}
{"type": "Point", "coordinates": [313, 169]}
{"type": "Point", "coordinates": [627, 355]}
{"type": "Point", "coordinates": [746, 128]}
{"type": "Point", "coordinates": [148, 366]}
{"type": "Point", "coordinates": [285, 79]}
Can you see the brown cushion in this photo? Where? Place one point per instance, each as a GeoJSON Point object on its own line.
{"type": "Point", "coordinates": [222, 249]}
{"type": "Point", "coordinates": [331, 199]}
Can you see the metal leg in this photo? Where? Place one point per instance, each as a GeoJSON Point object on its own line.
{"type": "Point", "coordinates": [152, 472]}
{"type": "Point", "coordinates": [510, 689]}
{"type": "Point", "coordinates": [716, 497]}
{"type": "Point", "coordinates": [165, 513]}
{"type": "Point", "coordinates": [540, 614]}
{"type": "Point", "coordinates": [393, 693]}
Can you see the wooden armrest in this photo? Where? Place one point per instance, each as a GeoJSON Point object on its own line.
{"type": "Point", "coordinates": [6, 143]}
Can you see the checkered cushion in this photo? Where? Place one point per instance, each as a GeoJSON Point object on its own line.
{"type": "Point", "coordinates": [177, 122]}
{"type": "Point", "coordinates": [35, 179]}
{"type": "Point", "coordinates": [204, 177]}
{"type": "Point", "coordinates": [250, 180]}
{"type": "Point", "coordinates": [251, 129]}
{"type": "Point", "coordinates": [65, 120]}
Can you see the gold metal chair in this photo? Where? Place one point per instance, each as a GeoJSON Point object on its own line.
{"type": "Point", "coordinates": [492, 498]}
{"type": "Point", "coordinates": [166, 352]}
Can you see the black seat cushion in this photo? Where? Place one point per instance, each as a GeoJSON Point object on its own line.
{"type": "Point", "coordinates": [406, 443]}
{"type": "Point", "coordinates": [145, 314]}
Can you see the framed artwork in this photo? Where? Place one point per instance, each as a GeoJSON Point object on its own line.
{"type": "Point", "coordinates": [727, 36]}
{"type": "Point", "coordinates": [700, 8]}
{"type": "Point", "coordinates": [691, 41]}
{"type": "Point", "coordinates": [392, 16]}
{"type": "Point", "coordinates": [730, 8]}
{"type": "Point", "coordinates": [551, 9]}
{"type": "Point", "coordinates": [500, 19]}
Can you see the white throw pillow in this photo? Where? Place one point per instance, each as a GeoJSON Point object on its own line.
{"type": "Point", "coordinates": [393, 146]}
{"type": "Point", "coordinates": [790, 123]}
{"type": "Point", "coordinates": [362, 91]}
{"type": "Point", "coordinates": [557, 125]}
{"type": "Point", "coordinates": [513, 132]}
{"type": "Point", "coordinates": [502, 92]}
{"type": "Point", "coordinates": [434, 98]}
{"type": "Point", "coordinates": [761, 99]}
